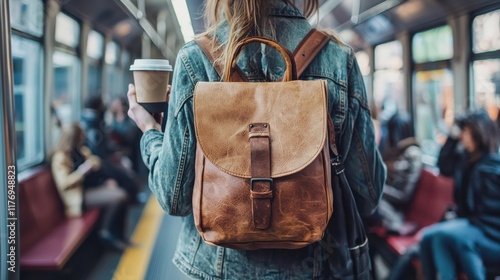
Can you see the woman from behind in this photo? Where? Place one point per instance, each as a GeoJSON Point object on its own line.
{"type": "Point", "coordinates": [81, 186]}
{"type": "Point", "coordinates": [170, 155]}
{"type": "Point", "coordinates": [472, 240]}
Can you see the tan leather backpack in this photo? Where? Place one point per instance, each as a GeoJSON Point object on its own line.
{"type": "Point", "coordinates": [262, 158]}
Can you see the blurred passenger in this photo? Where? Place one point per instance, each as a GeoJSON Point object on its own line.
{"type": "Point", "coordinates": [170, 156]}
{"type": "Point", "coordinates": [75, 170]}
{"type": "Point", "coordinates": [403, 158]}
{"type": "Point", "coordinates": [97, 140]}
{"type": "Point", "coordinates": [124, 133]}
{"type": "Point", "coordinates": [394, 126]}
{"type": "Point", "coordinates": [404, 165]}
{"type": "Point", "coordinates": [468, 242]}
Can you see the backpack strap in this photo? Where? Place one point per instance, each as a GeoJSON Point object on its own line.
{"type": "Point", "coordinates": [308, 48]}
{"type": "Point", "coordinates": [212, 49]}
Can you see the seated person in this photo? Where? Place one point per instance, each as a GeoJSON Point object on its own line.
{"type": "Point", "coordinates": [465, 243]}
{"type": "Point", "coordinates": [403, 158]}
{"type": "Point", "coordinates": [404, 165]}
{"type": "Point", "coordinates": [80, 186]}
{"type": "Point", "coordinates": [124, 133]}
{"type": "Point", "coordinates": [97, 140]}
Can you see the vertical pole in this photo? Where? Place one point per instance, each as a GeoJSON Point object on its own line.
{"type": "Point", "coordinates": [9, 234]}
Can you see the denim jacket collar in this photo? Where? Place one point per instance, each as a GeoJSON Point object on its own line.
{"type": "Point", "coordinates": [280, 8]}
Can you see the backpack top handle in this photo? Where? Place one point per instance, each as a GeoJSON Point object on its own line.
{"type": "Point", "coordinates": [291, 69]}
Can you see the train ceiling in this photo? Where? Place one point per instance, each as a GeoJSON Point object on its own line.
{"type": "Point", "coordinates": [361, 22]}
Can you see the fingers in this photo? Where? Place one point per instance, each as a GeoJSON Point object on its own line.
{"type": "Point", "coordinates": [169, 88]}
{"type": "Point", "coordinates": [131, 94]}
{"type": "Point", "coordinates": [132, 102]}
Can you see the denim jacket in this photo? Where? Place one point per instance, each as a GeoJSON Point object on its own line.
{"type": "Point", "coordinates": [171, 156]}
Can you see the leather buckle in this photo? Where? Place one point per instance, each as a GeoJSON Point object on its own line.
{"type": "Point", "coordinates": [270, 180]}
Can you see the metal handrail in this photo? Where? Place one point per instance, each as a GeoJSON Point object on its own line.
{"type": "Point", "coordinates": [7, 125]}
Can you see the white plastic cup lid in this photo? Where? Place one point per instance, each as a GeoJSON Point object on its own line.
{"type": "Point", "coordinates": [151, 65]}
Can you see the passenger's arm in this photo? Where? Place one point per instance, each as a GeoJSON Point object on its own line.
{"type": "Point", "coordinates": [170, 156]}
{"type": "Point", "coordinates": [365, 170]}
{"type": "Point", "coordinates": [449, 157]}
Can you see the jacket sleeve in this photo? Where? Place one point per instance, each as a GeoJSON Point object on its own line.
{"type": "Point", "coordinates": [170, 157]}
{"type": "Point", "coordinates": [64, 177]}
{"type": "Point", "coordinates": [365, 170]}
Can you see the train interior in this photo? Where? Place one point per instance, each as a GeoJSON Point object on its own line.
{"type": "Point", "coordinates": [429, 60]}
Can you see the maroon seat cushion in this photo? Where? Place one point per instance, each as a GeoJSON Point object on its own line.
{"type": "Point", "coordinates": [47, 237]}
{"type": "Point", "coordinates": [55, 248]}
{"type": "Point", "coordinates": [433, 194]}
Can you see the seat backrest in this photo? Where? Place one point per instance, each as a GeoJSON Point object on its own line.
{"type": "Point", "coordinates": [434, 193]}
{"type": "Point", "coordinates": [41, 208]}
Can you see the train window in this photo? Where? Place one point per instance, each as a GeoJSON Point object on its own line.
{"type": "Point", "coordinates": [425, 48]}
{"type": "Point", "coordinates": [113, 71]}
{"type": "Point", "coordinates": [486, 64]}
{"type": "Point", "coordinates": [27, 61]}
{"type": "Point", "coordinates": [433, 91]}
{"type": "Point", "coordinates": [486, 32]}
{"type": "Point", "coordinates": [487, 86]}
{"type": "Point", "coordinates": [95, 45]}
{"type": "Point", "coordinates": [66, 96]}
{"type": "Point", "coordinates": [388, 76]}
{"type": "Point", "coordinates": [27, 16]}
{"type": "Point", "coordinates": [126, 73]}
{"type": "Point", "coordinates": [95, 52]}
{"type": "Point", "coordinates": [67, 30]}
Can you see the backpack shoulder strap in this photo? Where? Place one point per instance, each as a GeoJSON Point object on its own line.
{"type": "Point", "coordinates": [211, 50]}
{"type": "Point", "coordinates": [308, 48]}
{"type": "Point", "coordinates": [304, 53]}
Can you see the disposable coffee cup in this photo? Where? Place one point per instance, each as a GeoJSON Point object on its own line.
{"type": "Point", "coordinates": [151, 78]}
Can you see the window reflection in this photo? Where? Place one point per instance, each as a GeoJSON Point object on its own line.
{"type": "Point", "coordinates": [95, 45]}
{"type": "Point", "coordinates": [388, 76]}
{"type": "Point", "coordinates": [434, 108]}
{"type": "Point", "coordinates": [67, 30]}
{"type": "Point", "coordinates": [27, 16]}
{"type": "Point", "coordinates": [486, 32]}
{"type": "Point", "coordinates": [433, 45]}
{"type": "Point", "coordinates": [487, 86]}
{"type": "Point", "coordinates": [27, 64]}
{"type": "Point", "coordinates": [66, 87]}
{"type": "Point", "coordinates": [113, 76]}
{"type": "Point", "coordinates": [95, 53]}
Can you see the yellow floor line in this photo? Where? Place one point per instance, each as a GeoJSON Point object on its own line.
{"type": "Point", "coordinates": [135, 260]}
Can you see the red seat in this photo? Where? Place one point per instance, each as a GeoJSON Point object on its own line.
{"type": "Point", "coordinates": [433, 194]}
{"type": "Point", "coordinates": [48, 238]}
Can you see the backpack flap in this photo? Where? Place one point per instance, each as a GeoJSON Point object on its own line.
{"type": "Point", "coordinates": [224, 111]}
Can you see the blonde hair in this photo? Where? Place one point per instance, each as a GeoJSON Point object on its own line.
{"type": "Point", "coordinates": [70, 138]}
{"type": "Point", "coordinates": [245, 18]}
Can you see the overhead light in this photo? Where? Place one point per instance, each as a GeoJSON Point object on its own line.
{"type": "Point", "coordinates": [184, 19]}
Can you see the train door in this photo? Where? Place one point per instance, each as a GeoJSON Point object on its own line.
{"type": "Point", "coordinates": [9, 226]}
